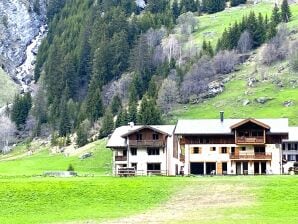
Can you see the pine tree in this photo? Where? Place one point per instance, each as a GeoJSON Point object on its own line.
{"type": "Point", "coordinates": [275, 17]}
{"type": "Point", "coordinates": [116, 104]}
{"type": "Point", "coordinates": [20, 109]}
{"type": "Point", "coordinates": [132, 112]}
{"type": "Point", "coordinates": [285, 11]}
{"type": "Point", "coordinates": [94, 104]}
{"type": "Point", "coordinates": [82, 133]}
{"type": "Point", "coordinates": [260, 36]}
{"type": "Point", "coordinates": [64, 122]}
{"type": "Point", "coordinates": [175, 9]}
{"type": "Point", "coordinates": [149, 113]}
{"type": "Point", "coordinates": [107, 124]}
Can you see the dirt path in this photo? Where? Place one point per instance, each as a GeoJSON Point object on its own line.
{"type": "Point", "coordinates": [202, 201]}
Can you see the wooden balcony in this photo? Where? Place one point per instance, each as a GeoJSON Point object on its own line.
{"type": "Point", "coordinates": [250, 140]}
{"type": "Point", "coordinates": [248, 156]}
{"type": "Point", "coordinates": [120, 158]}
{"type": "Point", "coordinates": [146, 143]}
{"type": "Point", "coordinates": [182, 158]}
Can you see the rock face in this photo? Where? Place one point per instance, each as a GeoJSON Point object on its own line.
{"type": "Point", "coordinates": [20, 22]}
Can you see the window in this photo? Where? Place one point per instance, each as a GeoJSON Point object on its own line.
{"type": "Point", "coordinates": [155, 136]}
{"type": "Point", "coordinates": [153, 151]}
{"type": "Point", "coordinates": [139, 136]}
{"type": "Point", "coordinates": [153, 167]}
{"type": "Point", "coordinates": [233, 150]}
{"type": "Point", "coordinates": [213, 149]}
{"type": "Point", "coordinates": [133, 151]}
{"type": "Point", "coordinates": [293, 146]}
{"type": "Point", "coordinates": [291, 157]}
{"type": "Point", "coordinates": [134, 165]}
{"type": "Point", "coordinates": [224, 150]}
{"type": "Point", "coordinates": [195, 150]}
{"type": "Point", "coordinates": [243, 148]}
{"type": "Point", "coordinates": [283, 146]}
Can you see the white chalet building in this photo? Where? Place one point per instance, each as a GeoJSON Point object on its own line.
{"type": "Point", "coordinates": [204, 146]}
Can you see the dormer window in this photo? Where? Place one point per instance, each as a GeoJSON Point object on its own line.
{"type": "Point", "coordinates": [139, 136]}
{"type": "Point", "coordinates": [155, 136]}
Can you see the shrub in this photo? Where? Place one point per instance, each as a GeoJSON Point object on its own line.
{"type": "Point", "coordinates": [70, 168]}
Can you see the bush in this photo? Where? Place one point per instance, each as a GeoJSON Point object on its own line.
{"type": "Point", "coordinates": [70, 168]}
{"type": "Point", "coordinates": [225, 62]}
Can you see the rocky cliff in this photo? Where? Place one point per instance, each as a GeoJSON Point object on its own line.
{"type": "Point", "coordinates": [20, 23]}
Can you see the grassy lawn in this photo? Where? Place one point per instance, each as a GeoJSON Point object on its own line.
{"type": "Point", "coordinates": [8, 89]}
{"type": "Point", "coordinates": [40, 200]}
{"type": "Point", "coordinates": [98, 164]}
{"type": "Point", "coordinates": [263, 199]}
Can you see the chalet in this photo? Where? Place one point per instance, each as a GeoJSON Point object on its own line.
{"type": "Point", "coordinates": [146, 149]}
{"type": "Point", "coordinates": [204, 146]}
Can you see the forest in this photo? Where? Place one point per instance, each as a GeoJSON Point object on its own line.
{"type": "Point", "coordinates": [106, 63]}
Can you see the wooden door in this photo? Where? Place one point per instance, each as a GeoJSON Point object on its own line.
{"type": "Point", "coordinates": [219, 168]}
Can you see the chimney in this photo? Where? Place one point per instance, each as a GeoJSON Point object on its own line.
{"type": "Point", "coordinates": [131, 124]}
{"type": "Point", "coordinates": [221, 113]}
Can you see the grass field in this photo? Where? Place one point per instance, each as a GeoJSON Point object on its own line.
{"type": "Point", "coordinates": [263, 199]}
{"type": "Point", "coordinates": [98, 164]}
{"type": "Point", "coordinates": [7, 90]}
{"type": "Point", "coordinates": [212, 26]}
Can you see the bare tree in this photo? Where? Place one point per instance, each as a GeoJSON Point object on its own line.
{"type": "Point", "coordinates": [117, 87]}
{"type": "Point", "coordinates": [196, 80]}
{"type": "Point", "coordinates": [7, 133]}
{"type": "Point", "coordinates": [154, 37]}
{"type": "Point", "coordinates": [245, 42]}
{"type": "Point", "coordinates": [293, 56]}
{"type": "Point", "coordinates": [187, 23]}
{"type": "Point", "coordinates": [225, 61]}
{"type": "Point", "coordinates": [277, 48]}
{"type": "Point", "coordinates": [168, 94]}
{"type": "Point", "coordinates": [170, 47]}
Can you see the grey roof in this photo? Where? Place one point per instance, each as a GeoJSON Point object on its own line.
{"type": "Point", "coordinates": [215, 126]}
{"type": "Point", "coordinates": [117, 141]}
{"type": "Point", "coordinates": [293, 134]}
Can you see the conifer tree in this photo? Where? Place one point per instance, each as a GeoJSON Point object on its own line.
{"type": "Point", "coordinates": [94, 104]}
{"type": "Point", "coordinates": [82, 133]}
{"type": "Point", "coordinates": [149, 113]}
{"type": "Point", "coordinates": [116, 104]}
{"type": "Point", "coordinates": [175, 9]}
{"type": "Point", "coordinates": [20, 109]}
{"type": "Point", "coordinates": [275, 17]}
{"type": "Point", "coordinates": [64, 122]}
{"type": "Point", "coordinates": [107, 124]}
{"type": "Point", "coordinates": [285, 11]}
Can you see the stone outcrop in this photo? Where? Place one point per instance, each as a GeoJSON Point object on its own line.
{"type": "Point", "coordinates": [20, 22]}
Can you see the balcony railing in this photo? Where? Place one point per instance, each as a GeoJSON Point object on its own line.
{"type": "Point", "coordinates": [182, 158]}
{"type": "Point", "coordinates": [150, 143]}
{"type": "Point", "coordinates": [120, 158]}
{"type": "Point", "coordinates": [255, 156]}
{"type": "Point", "coordinates": [250, 140]}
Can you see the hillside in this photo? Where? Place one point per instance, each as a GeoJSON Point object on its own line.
{"type": "Point", "coordinates": [20, 163]}
{"type": "Point", "coordinates": [239, 99]}
{"type": "Point", "coordinates": [8, 89]}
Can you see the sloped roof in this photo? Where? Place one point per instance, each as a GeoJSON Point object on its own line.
{"type": "Point", "coordinates": [215, 126]}
{"type": "Point", "coordinates": [144, 127]}
{"type": "Point", "coordinates": [116, 139]}
{"type": "Point", "coordinates": [259, 123]}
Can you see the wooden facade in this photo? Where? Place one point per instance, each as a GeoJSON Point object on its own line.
{"type": "Point", "coordinates": [147, 138]}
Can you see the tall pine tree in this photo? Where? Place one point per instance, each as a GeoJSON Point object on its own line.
{"type": "Point", "coordinates": [285, 11]}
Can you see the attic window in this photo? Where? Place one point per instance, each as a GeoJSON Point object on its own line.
{"type": "Point", "coordinates": [139, 136]}
{"type": "Point", "coordinates": [155, 136]}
